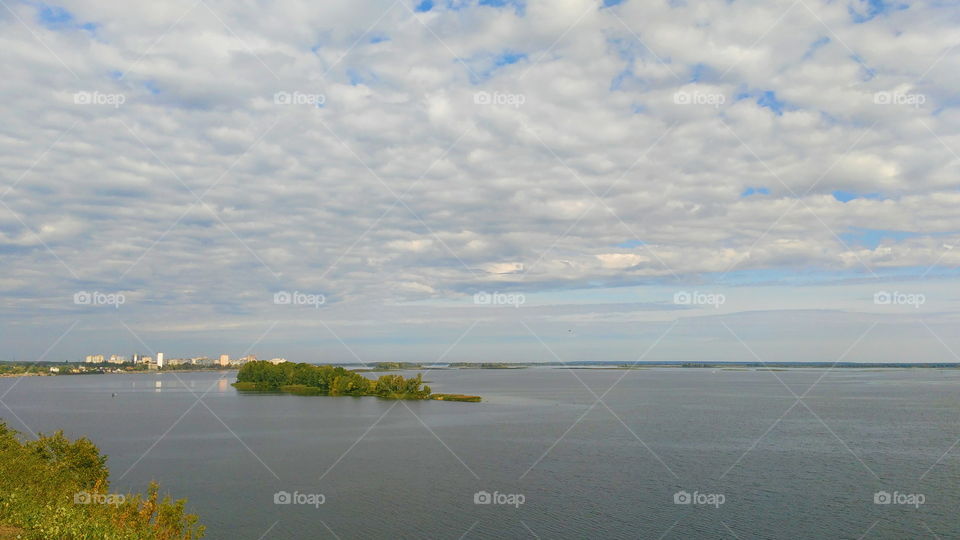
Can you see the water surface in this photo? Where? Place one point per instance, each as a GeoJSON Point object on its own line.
{"type": "Point", "coordinates": [587, 469]}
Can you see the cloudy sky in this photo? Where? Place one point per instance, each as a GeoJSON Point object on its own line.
{"type": "Point", "coordinates": [487, 180]}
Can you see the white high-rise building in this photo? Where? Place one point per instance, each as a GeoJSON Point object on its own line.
{"type": "Point", "coordinates": [159, 360]}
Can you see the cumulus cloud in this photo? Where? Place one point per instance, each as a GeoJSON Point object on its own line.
{"type": "Point", "coordinates": [201, 156]}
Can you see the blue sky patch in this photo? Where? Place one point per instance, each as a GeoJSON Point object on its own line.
{"type": "Point", "coordinates": [58, 18]}
{"type": "Point", "coordinates": [507, 58]}
{"type": "Point", "coordinates": [519, 6]}
{"type": "Point", "coordinates": [54, 17]}
{"type": "Point", "coordinates": [755, 191]}
{"type": "Point", "coordinates": [801, 276]}
{"type": "Point", "coordinates": [868, 72]}
{"type": "Point", "coordinates": [769, 100]}
{"type": "Point", "coordinates": [700, 72]}
{"type": "Point", "coordinates": [458, 5]}
{"type": "Point", "coordinates": [815, 46]}
{"type": "Point", "coordinates": [619, 79]}
{"type": "Point", "coordinates": [424, 6]}
{"type": "Point", "coordinates": [364, 77]}
{"type": "Point", "coordinates": [873, 9]}
{"type": "Point", "coordinates": [627, 50]}
{"type": "Point", "coordinates": [872, 238]}
{"type": "Point", "coordinates": [354, 77]}
{"type": "Point", "coordinates": [847, 196]}
{"type": "Point", "coordinates": [483, 66]}
{"type": "Point", "coordinates": [631, 244]}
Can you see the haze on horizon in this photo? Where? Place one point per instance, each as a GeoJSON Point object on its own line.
{"type": "Point", "coordinates": [492, 180]}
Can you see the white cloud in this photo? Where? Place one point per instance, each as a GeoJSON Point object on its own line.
{"type": "Point", "coordinates": [536, 194]}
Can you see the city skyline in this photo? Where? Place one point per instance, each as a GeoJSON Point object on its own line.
{"type": "Point", "coordinates": [159, 359]}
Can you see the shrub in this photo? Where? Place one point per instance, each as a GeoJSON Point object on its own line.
{"type": "Point", "coordinates": [44, 482]}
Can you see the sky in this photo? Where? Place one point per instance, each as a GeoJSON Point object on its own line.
{"type": "Point", "coordinates": [492, 180]}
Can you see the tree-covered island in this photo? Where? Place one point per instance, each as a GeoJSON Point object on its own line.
{"type": "Point", "coordinates": [310, 379]}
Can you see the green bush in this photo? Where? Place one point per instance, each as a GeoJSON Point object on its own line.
{"type": "Point", "coordinates": [56, 488]}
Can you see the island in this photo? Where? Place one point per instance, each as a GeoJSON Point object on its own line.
{"type": "Point", "coordinates": [320, 380]}
{"type": "Point", "coordinates": [487, 365]}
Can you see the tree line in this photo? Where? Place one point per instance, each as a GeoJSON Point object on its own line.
{"type": "Point", "coordinates": [332, 380]}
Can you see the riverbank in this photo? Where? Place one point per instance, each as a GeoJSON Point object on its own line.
{"type": "Point", "coordinates": [53, 487]}
{"type": "Point", "coordinates": [302, 390]}
{"type": "Point", "coordinates": [120, 372]}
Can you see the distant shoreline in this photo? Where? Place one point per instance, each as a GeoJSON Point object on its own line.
{"type": "Point", "coordinates": [678, 364]}
{"type": "Point", "coordinates": [723, 366]}
{"type": "Point", "coordinates": [138, 372]}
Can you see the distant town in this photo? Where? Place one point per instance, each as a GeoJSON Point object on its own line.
{"type": "Point", "coordinates": [115, 363]}
{"type": "Point", "coordinates": [161, 362]}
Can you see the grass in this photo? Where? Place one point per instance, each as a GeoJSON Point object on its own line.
{"type": "Point", "coordinates": [455, 397]}
{"type": "Point", "coordinates": [301, 390]}
{"type": "Point", "coordinates": [250, 386]}
{"type": "Point", "coordinates": [304, 390]}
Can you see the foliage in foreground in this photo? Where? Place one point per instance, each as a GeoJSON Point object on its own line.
{"type": "Point", "coordinates": [57, 488]}
{"type": "Point", "coordinates": [330, 380]}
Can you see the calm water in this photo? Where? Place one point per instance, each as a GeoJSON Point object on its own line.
{"type": "Point", "coordinates": [714, 432]}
